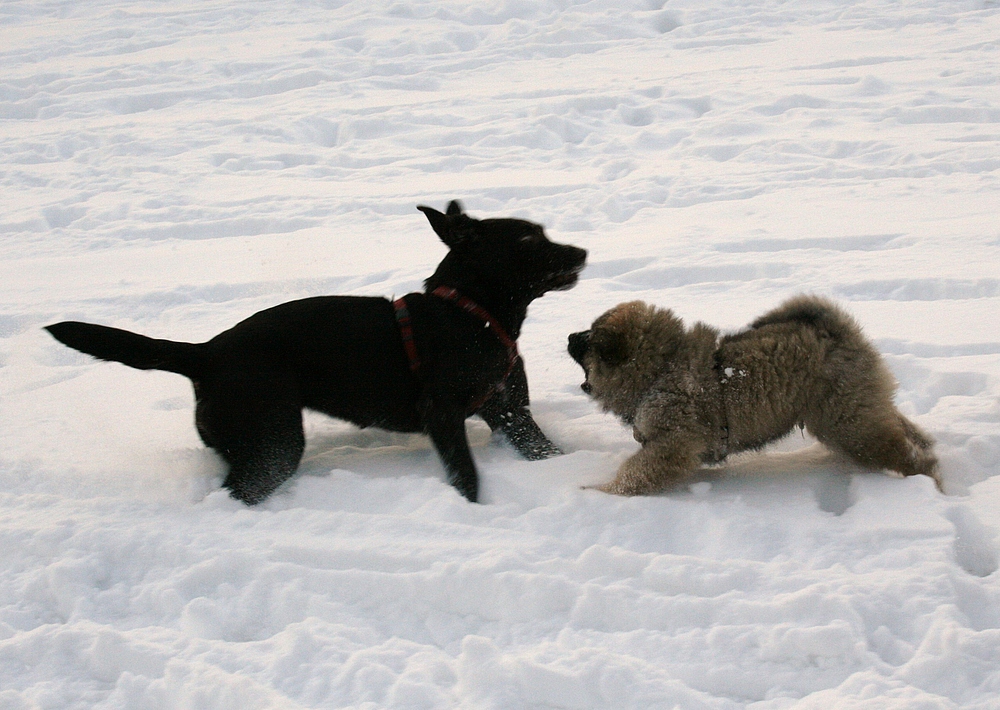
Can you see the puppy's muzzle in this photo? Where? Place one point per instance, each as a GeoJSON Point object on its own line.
{"type": "Point", "coordinates": [579, 344]}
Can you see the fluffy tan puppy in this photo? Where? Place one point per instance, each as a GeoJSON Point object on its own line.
{"type": "Point", "coordinates": [693, 397]}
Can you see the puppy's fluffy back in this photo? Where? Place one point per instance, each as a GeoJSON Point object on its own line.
{"type": "Point", "coordinates": [817, 312]}
{"type": "Point", "coordinates": [848, 356]}
{"type": "Point", "coordinates": [805, 361]}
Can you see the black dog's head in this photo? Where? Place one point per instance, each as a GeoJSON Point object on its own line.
{"type": "Point", "coordinates": [509, 258]}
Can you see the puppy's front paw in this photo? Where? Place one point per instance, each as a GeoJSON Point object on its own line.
{"type": "Point", "coordinates": [610, 487]}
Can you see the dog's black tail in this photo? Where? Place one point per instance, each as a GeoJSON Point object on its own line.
{"type": "Point", "coordinates": [131, 349]}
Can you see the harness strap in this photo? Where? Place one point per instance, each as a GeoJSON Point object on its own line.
{"type": "Point", "coordinates": [449, 294]}
{"type": "Point", "coordinates": [406, 330]}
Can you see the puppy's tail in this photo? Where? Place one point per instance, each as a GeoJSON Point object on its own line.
{"type": "Point", "coordinates": [817, 312]}
{"type": "Point", "coordinates": [130, 349]}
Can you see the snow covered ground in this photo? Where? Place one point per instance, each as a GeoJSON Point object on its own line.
{"type": "Point", "coordinates": [172, 167]}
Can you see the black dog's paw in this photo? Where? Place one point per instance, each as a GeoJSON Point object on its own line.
{"type": "Point", "coordinates": [541, 450]}
{"type": "Point", "coordinates": [529, 441]}
{"type": "Point", "coordinates": [466, 484]}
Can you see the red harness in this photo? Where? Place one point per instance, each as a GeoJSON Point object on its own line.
{"type": "Point", "coordinates": [469, 306]}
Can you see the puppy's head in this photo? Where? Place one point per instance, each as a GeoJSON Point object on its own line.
{"type": "Point", "coordinates": [512, 256]}
{"type": "Point", "coordinates": [624, 352]}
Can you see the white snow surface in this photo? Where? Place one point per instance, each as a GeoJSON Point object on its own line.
{"type": "Point", "coordinates": [173, 167]}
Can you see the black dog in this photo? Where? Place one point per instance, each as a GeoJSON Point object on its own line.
{"type": "Point", "coordinates": [422, 364]}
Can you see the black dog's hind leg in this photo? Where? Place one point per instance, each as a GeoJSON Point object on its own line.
{"type": "Point", "coordinates": [262, 464]}
{"type": "Point", "coordinates": [257, 428]}
{"type": "Point", "coordinates": [507, 412]}
{"type": "Point", "coordinates": [446, 427]}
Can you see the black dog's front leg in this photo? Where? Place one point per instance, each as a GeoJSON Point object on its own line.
{"type": "Point", "coordinates": [446, 427]}
{"type": "Point", "coordinates": [507, 411]}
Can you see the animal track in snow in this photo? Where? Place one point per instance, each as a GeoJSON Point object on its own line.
{"type": "Point", "coordinates": [615, 267]}
{"type": "Point", "coordinates": [892, 346]}
{"type": "Point", "coordinates": [974, 548]}
{"type": "Point", "coordinates": [833, 492]}
{"type": "Point", "coordinates": [928, 289]}
{"type": "Point", "coordinates": [788, 103]}
{"type": "Point", "coordinates": [867, 242]}
{"type": "Point", "coordinates": [936, 386]}
{"type": "Point", "coordinates": [673, 277]}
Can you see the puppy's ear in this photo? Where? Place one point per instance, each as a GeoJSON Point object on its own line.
{"type": "Point", "coordinates": [609, 345]}
{"type": "Point", "coordinates": [452, 227]}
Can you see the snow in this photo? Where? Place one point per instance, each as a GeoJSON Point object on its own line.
{"type": "Point", "coordinates": [173, 167]}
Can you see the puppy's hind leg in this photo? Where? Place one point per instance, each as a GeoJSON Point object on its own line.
{"type": "Point", "coordinates": [922, 446]}
{"type": "Point", "coordinates": [657, 466]}
{"type": "Point", "coordinates": [882, 438]}
{"type": "Point", "coordinates": [257, 428]}
{"type": "Point", "coordinates": [507, 412]}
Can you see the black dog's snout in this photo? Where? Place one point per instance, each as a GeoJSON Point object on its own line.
{"type": "Point", "coordinates": [579, 344]}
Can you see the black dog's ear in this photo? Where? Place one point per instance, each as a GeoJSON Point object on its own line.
{"type": "Point", "coordinates": [609, 345]}
{"type": "Point", "coordinates": [439, 222]}
{"type": "Point", "coordinates": [452, 227]}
